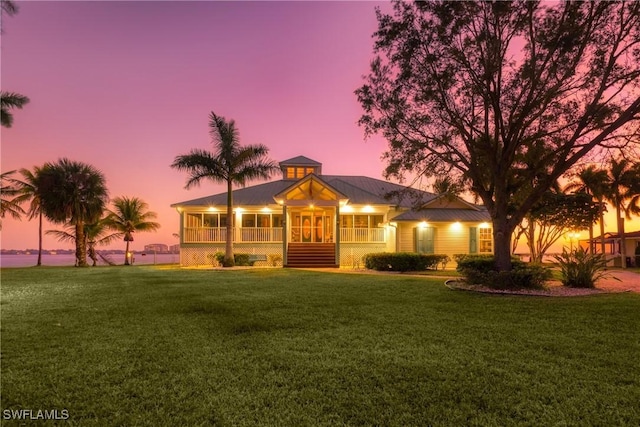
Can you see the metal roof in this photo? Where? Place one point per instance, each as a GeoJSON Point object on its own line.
{"type": "Point", "coordinates": [300, 161]}
{"type": "Point", "coordinates": [358, 189]}
{"type": "Point", "coordinates": [445, 215]}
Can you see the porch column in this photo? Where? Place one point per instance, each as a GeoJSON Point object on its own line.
{"type": "Point", "coordinates": [337, 233]}
{"type": "Point", "coordinates": [285, 228]}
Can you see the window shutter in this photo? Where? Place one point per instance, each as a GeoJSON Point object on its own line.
{"type": "Point", "coordinates": [473, 240]}
{"type": "Point", "coordinates": [425, 240]}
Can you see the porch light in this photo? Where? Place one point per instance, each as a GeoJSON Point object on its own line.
{"type": "Point", "coordinates": [347, 209]}
{"type": "Point", "coordinates": [239, 210]}
{"type": "Point", "coordinates": [368, 208]}
{"type": "Point", "coordinates": [423, 224]}
{"type": "Point", "coordinates": [212, 209]}
{"type": "Point", "coordinates": [484, 225]}
{"type": "Point", "coordinates": [456, 226]}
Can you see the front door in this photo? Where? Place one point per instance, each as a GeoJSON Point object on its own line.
{"type": "Point", "coordinates": [312, 226]}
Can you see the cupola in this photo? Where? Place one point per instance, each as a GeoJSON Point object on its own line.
{"type": "Point", "coordinates": [299, 167]}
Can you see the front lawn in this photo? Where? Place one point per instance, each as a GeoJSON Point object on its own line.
{"type": "Point", "coordinates": [161, 346]}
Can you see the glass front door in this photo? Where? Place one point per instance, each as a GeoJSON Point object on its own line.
{"type": "Point", "coordinates": [312, 226]}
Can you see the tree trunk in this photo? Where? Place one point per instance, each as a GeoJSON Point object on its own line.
{"type": "Point", "coordinates": [39, 262]}
{"type": "Point", "coordinates": [228, 254]}
{"type": "Point", "coordinates": [81, 249]}
{"type": "Point", "coordinates": [623, 249]}
{"type": "Point", "coordinates": [602, 244]}
{"type": "Point", "coordinates": [502, 242]}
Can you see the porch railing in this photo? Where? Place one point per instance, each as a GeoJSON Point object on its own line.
{"type": "Point", "coordinates": [204, 234]}
{"type": "Point", "coordinates": [244, 234]}
{"type": "Point", "coordinates": [362, 235]}
{"type": "Point", "coordinates": [260, 234]}
{"type": "Point", "coordinates": [269, 234]}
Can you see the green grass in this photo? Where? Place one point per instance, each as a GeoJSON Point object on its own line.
{"type": "Point", "coordinates": [167, 347]}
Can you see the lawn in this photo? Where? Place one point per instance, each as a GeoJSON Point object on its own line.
{"type": "Point", "coordinates": [154, 346]}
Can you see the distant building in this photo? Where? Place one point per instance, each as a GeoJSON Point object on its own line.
{"type": "Point", "coordinates": [174, 249]}
{"type": "Point", "coordinates": [157, 248]}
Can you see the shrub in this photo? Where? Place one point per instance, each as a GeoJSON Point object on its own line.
{"type": "Point", "coordinates": [581, 269]}
{"type": "Point", "coordinates": [219, 257]}
{"type": "Point", "coordinates": [403, 261]}
{"type": "Point", "coordinates": [242, 259]}
{"type": "Point", "coordinates": [274, 259]}
{"type": "Point", "coordinates": [238, 259]}
{"type": "Point", "coordinates": [480, 270]}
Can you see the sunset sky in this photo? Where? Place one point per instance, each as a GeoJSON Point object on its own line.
{"type": "Point", "coordinates": [127, 86]}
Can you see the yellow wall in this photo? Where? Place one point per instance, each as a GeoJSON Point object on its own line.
{"type": "Point", "coordinates": [450, 239]}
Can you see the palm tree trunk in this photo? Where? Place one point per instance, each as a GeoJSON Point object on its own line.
{"type": "Point", "coordinates": [623, 250]}
{"type": "Point", "coordinates": [39, 263]}
{"type": "Point", "coordinates": [228, 254]}
{"type": "Point", "coordinates": [126, 254]}
{"type": "Point", "coordinates": [81, 249]}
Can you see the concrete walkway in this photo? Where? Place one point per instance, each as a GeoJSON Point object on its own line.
{"type": "Point", "coordinates": [620, 280]}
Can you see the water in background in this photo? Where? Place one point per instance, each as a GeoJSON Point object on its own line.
{"type": "Point", "coordinates": [69, 260]}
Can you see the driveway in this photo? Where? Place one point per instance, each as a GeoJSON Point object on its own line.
{"type": "Point", "coordinates": [627, 281]}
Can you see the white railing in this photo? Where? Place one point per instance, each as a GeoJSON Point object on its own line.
{"type": "Point", "coordinates": [245, 234]}
{"type": "Point", "coordinates": [362, 235]}
{"type": "Point", "coordinates": [269, 234]}
{"type": "Point", "coordinates": [204, 234]}
{"type": "Point", "coordinates": [260, 234]}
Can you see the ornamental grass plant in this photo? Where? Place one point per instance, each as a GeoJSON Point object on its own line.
{"type": "Point", "coordinates": [581, 269]}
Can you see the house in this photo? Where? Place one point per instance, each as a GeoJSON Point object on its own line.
{"type": "Point", "coordinates": [612, 244]}
{"type": "Point", "coordinates": [315, 220]}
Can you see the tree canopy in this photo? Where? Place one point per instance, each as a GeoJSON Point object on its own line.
{"type": "Point", "coordinates": [507, 96]}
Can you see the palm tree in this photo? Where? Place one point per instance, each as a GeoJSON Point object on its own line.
{"type": "Point", "coordinates": [28, 190]}
{"type": "Point", "coordinates": [624, 183]}
{"type": "Point", "coordinates": [10, 8]}
{"type": "Point", "coordinates": [8, 189]}
{"type": "Point", "coordinates": [230, 163]}
{"type": "Point", "coordinates": [9, 100]}
{"type": "Point", "coordinates": [593, 181]}
{"type": "Point", "coordinates": [96, 233]}
{"type": "Point", "coordinates": [75, 193]}
{"type": "Point", "coordinates": [128, 216]}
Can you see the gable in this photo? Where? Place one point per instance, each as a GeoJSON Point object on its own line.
{"type": "Point", "coordinates": [310, 189]}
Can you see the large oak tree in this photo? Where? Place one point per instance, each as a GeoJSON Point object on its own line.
{"type": "Point", "coordinates": [506, 95]}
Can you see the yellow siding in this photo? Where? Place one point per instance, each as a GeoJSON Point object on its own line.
{"type": "Point", "coordinates": [448, 240]}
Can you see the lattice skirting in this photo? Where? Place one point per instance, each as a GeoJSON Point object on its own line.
{"type": "Point", "coordinates": [351, 255]}
{"type": "Point", "coordinates": [204, 256]}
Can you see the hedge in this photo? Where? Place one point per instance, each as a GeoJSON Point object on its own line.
{"type": "Point", "coordinates": [403, 261]}
{"type": "Point", "coordinates": [480, 270]}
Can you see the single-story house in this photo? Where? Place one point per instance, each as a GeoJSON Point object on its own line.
{"type": "Point", "coordinates": [311, 219]}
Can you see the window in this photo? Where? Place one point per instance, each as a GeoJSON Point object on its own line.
{"type": "Point", "coordinates": [361, 221]}
{"type": "Point", "coordinates": [206, 220]}
{"type": "Point", "coordinates": [298, 172]}
{"type": "Point", "coordinates": [485, 240]}
{"type": "Point", "coordinates": [250, 220]}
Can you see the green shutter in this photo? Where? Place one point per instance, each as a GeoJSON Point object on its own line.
{"type": "Point", "coordinates": [473, 240]}
{"type": "Point", "coordinates": [425, 240]}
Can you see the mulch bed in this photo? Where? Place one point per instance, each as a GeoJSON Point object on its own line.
{"type": "Point", "coordinates": [553, 289]}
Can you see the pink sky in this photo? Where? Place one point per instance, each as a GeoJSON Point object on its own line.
{"type": "Point", "coordinates": [127, 86]}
